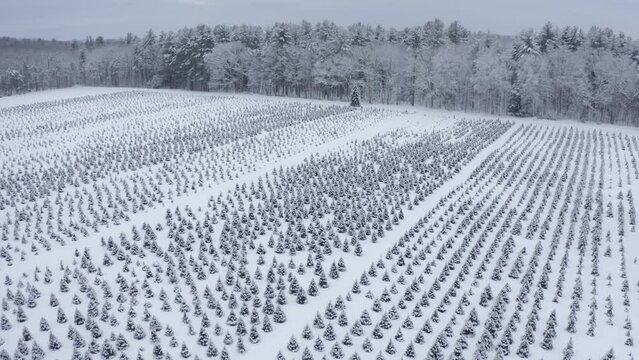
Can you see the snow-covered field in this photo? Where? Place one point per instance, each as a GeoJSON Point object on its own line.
{"type": "Point", "coordinates": [167, 225]}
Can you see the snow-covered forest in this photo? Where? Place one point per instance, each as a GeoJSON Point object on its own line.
{"type": "Point", "coordinates": [314, 190]}
{"type": "Point", "coordinates": [549, 72]}
{"type": "Point", "coordinates": [163, 224]}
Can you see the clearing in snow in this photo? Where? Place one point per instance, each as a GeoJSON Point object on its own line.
{"type": "Point", "coordinates": [167, 225]}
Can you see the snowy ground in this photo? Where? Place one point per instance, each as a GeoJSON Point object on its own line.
{"type": "Point", "coordinates": [169, 224]}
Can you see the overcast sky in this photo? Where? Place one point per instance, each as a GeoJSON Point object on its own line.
{"type": "Point", "coordinates": [68, 19]}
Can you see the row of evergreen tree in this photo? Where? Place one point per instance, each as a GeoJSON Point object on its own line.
{"type": "Point", "coordinates": [553, 72]}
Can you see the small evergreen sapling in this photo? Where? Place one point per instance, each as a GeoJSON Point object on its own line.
{"type": "Point", "coordinates": [355, 97]}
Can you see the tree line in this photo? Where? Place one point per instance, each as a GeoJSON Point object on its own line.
{"type": "Point", "coordinates": [552, 72]}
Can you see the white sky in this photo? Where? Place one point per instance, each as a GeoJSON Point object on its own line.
{"type": "Point", "coordinates": [67, 19]}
